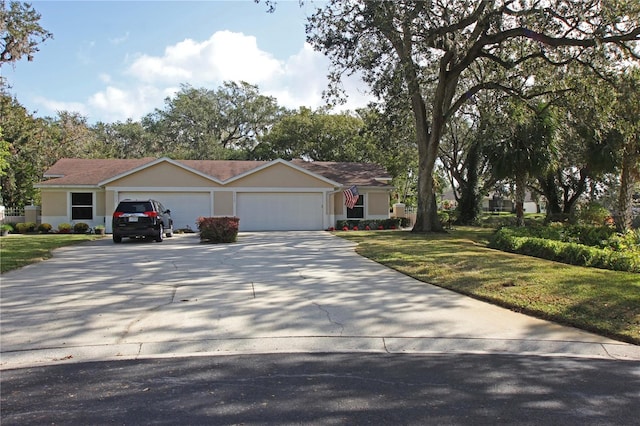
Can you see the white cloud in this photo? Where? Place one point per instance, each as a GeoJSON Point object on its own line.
{"type": "Point", "coordinates": [55, 106]}
{"type": "Point", "coordinates": [225, 56]}
{"type": "Point", "coordinates": [115, 104]}
{"type": "Point", "coordinates": [119, 40]}
{"type": "Point", "coordinates": [105, 78]}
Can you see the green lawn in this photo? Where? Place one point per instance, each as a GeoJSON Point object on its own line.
{"type": "Point", "coordinates": [17, 250]}
{"type": "Point", "coordinates": [605, 302]}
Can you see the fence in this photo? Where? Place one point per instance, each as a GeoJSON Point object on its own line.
{"type": "Point", "coordinates": [13, 211]}
{"type": "Point", "coordinates": [17, 215]}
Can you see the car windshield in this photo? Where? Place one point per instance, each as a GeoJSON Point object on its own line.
{"type": "Point", "coordinates": [140, 207]}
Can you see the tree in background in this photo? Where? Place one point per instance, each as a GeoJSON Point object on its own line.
{"type": "Point", "coordinates": [627, 122]}
{"type": "Point", "coordinates": [122, 140]}
{"type": "Point", "coordinates": [526, 150]}
{"type": "Point", "coordinates": [20, 31]}
{"type": "Point", "coordinates": [428, 47]}
{"type": "Point", "coordinates": [316, 136]}
{"type": "Point", "coordinates": [22, 135]}
{"type": "Point", "coordinates": [212, 124]}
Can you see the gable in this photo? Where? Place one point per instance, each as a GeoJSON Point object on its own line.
{"type": "Point", "coordinates": [282, 176]}
{"type": "Point", "coordinates": [163, 174]}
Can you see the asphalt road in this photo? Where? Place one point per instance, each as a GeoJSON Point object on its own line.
{"type": "Point", "coordinates": [327, 389]}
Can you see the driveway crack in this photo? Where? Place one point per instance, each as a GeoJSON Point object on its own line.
{"type": "Point", "coordinates": [146, 314]}
{"type": "Point", "coordinates": [328, 314]}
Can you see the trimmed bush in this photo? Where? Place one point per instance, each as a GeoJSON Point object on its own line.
{"type": "Point", "coordinates": [25, 227]}
{"type": "Point", "coordinates": [80, 228]}
{"type": "Point", "coordinates": [64, 228]}
{"type": "Point", "coordinates": [506, 239]}
{"type": "Point", "coordinates": [393, 223]}
{"type": "Point", "coordinates": [218, 229]}
{"type": "Point", "coordinates": [44, 228]}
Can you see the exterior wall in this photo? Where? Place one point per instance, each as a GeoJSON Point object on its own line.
{"type": "Point", "coordinates": [223, 203]}
{"type": "Point", "coordinates": [100, 204]}
{"type": "Point", "coordinates": [56, 206]}
{"type": "Point", "coordinates": [163, 175]}
{"type": "Point", "coordinates": [377, 204]}
{"type": "Point", "coordinates": [110, 204]}
{"type": "Point", "coordinates": [338, 204]}
{"type": "Point", "coordinates": [281, 176]}
{"type": "Point", "coordinates": [54, 203]}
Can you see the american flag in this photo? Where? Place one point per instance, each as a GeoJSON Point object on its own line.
{"type": "Point", "coordinates": [351, 197]}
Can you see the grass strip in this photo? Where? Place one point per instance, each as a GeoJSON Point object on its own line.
{"type": "Point", "coordinates": [18, 250]}
{"type": "Point", "coordinates": [596, 300]}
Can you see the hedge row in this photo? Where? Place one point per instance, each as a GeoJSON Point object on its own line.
{"type": "Point", "coordinates": [572, 253]}
{"type": "Point", "coordinates": [372, 224]}
{"type": "Point", "coordinates": [45, 228]}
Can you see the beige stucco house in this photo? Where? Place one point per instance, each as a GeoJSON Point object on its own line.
{"type": "Point", "coordinates": [265, 195]}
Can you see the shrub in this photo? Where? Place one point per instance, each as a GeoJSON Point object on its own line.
{"type": "Point", "coordinates": [593, 214]}
{"type": "Point", "coordinates": [506, 239]}
{"type": "Point", "coordinates": [44, 228]}
{"type": "Point", "coordinates": [80, 228]}
{"type": "Point", "coordinates": [64, 228]}
{"type": "Point", "coordinates": [443, 217]}
{"type": "Point", "coordinates": [6, 227]}
{"type": "Point", "coordinates": [392, 223]}
{"type": "Point", "coordinates": [218, 229]}
{"type": "Point", "coordinates": [25, 227]}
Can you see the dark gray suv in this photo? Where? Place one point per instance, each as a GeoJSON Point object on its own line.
{"type": "Point", "coordinates": [141, 218]}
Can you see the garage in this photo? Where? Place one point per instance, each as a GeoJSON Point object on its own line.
{"type": "Point", "coordinates": [185, 207]}
{"type": "Point", "coordinates": [294, 211]}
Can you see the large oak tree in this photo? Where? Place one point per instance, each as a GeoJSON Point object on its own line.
{"type": "Point", "coordinates": [426, 48]}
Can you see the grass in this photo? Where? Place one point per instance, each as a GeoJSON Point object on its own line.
{"type": "Point", "coordinates": [18, 250]}
{"type": "Point", "coordinates": [601, 301]}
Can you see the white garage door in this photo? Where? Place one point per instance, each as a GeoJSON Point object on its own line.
{"type": "Point", "coordinates": [185, 207]}
{"type": "Point", "coordinates": [280, 211]}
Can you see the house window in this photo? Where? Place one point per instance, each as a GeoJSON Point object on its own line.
{"type": "Point", "coordinates": [357, 212]}
{"type": "Point", "coordinates": [81, 206]}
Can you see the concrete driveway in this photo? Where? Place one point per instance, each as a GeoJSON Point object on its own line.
{"type": "Point", "coordinates": [267, 293]}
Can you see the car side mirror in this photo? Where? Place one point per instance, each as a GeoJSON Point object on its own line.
{"type": "Point", "coordinates": [168, 211]}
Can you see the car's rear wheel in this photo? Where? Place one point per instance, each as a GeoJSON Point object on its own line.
{"type": "Point", "coordinates": [160, 234]}
{"type": "Point", "coordinates": [117, 238]}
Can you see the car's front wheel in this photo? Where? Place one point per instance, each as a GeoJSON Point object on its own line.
{"type": "Point", "coordinates": [160, 234]}
{"type": "Point", "coordinates": [117, 238]}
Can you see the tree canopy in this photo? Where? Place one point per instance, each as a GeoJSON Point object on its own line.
{"type": "Point", "coordinates": [424, 51]}
{"type": "Point", "coordinates": [20, 31]}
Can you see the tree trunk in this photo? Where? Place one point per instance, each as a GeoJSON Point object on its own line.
{"type": "Point", "coordinates": [468, 206]}
{"type": "Point", "coordinates": [427, 215]}
{"type": "Point", "coordinates": [520, 194]}
{"type": "Point", "coordinates": [630, 174]}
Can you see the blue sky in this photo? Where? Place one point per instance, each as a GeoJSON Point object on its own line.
{"type": "Point", "coordinates": [115, 60]}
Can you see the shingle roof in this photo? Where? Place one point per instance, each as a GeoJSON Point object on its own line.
{"type": "Point", "coordinates": [78, 171]}
{"type": "Point", "coordinates": [81, 171]}
{"type": "Point", "coordinates": [360, 174]}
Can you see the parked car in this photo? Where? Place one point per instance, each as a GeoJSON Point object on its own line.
{"type": "Point", "coordinates": [141, 218]}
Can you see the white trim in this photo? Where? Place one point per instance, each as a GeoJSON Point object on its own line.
{"type": "Point", "coordinates": [94, 200]}
{"type": "Point", "coordinates": [161, 188]}
{"type": "Point", "coordinates": [43, 186]}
